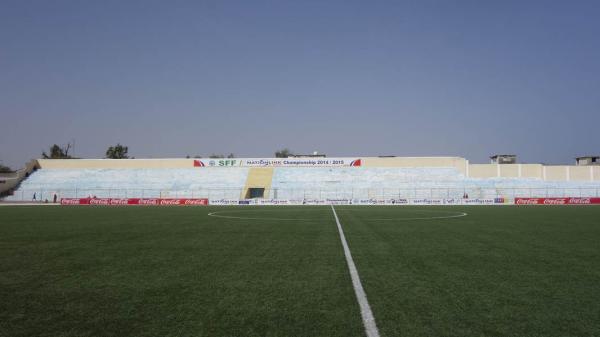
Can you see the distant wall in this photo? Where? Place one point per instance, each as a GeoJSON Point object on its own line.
{"type": "Point", "coordinates": [555, 173]}
{"type": "Point", "coordinates": [483, 170]}
{"type": "Point", "coordinates": [531, 170]}
{"type": "Point", "coordinates": [537, 171]}
{"type": "Point", "coordinates": [459, 163]}
{"type": "Point", "coordinates": [579, 173]}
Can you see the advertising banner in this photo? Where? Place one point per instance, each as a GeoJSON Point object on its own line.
{"type": "Point", "coordinates": [557, 201]}
{"type": "Point", "coordinates": [427, 201]}
{"type": "Point", "coordinates": [400, 201]}
{"type": "Point", "coordinates": [312, 202]}
{"type": "Point", "coordinates": [277, 162]}
{"type": "Point", "coordinates": [372, 201]}
{"type": "Point", "coordinates": [134, 201]}
{"type": "Point", "coordinates": [273, 202]}
{"type": "Point", "coordinates": [479, 201]}
{"type": "Point", "coordinates": [74, 201]}
{"type": "Point", "coordinates": [145, 201]}
{"type": "Point", "coordinates": [368, 201]}
{"type": "Point", "coordinates": [223, 202]}
{"type": "Point", "coordinates": [338, 202]}
{"type": "Point", "coordinates": [397, 201]}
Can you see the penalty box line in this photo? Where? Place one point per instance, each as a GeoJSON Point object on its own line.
{"type": "Point", "coordinates": [365, 309]}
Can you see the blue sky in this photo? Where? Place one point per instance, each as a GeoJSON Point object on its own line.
{"type": "Point", "coordinates": [347, 78]}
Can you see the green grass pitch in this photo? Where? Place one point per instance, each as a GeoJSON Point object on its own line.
{"type": "Point", "coordinates": [281, 271]}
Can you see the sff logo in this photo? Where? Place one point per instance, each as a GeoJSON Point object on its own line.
{"type": "Point", "coordinates": [222, 162]}
{"type": "Point", "coordinates": [227, 162]}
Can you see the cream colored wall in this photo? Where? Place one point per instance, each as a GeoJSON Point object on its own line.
{"type": "Point", "coordinates": [579, 173]}
{"type": "Point", "coordinates": [596, 173]}
{"type": "Point", "coordinates": [531, 171]}
{"type": "Point", "coordinates": [509, 170]}
{"type": "Point", "coordinates": [456, 162]}
{"type": "Point", "coordinates": [552, 173]}
{"type": "Point", "coordinates": [483, 170]}
{"type": "Point", "coordinates": [558, 173]}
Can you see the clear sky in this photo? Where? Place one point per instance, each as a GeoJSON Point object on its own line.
{"type": "Point", "coordinates": [347, 78]}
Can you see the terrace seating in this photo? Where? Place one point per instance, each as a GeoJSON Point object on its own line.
{"type": "Point", "coordinates": [132, 183]}
{"type": "Point", "coordinates": [363, 183]}
{"type": "Point", "coordinates": [290, 183]}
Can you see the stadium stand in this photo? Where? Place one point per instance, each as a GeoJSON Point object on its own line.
{"type": "Point", "coordinates": [439, 182]}
{"type": "Point", "coordinates": [196, 179]}
{"type": "Point", "coordinates": [131, 183]}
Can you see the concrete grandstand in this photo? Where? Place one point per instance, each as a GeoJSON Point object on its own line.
{"type": "Point", "coordinates": [306, 180]}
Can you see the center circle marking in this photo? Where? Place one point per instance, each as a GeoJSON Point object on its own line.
{"type": "Point", "coordinates": [226, 215]}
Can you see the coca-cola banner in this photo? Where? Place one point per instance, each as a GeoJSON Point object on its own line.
{"type": "Point", "coordinates": [74, 201]}
{"type": "Point", "coordinates": [134, 201]}
{"type": "Point", "coordinates": [144, 201]}
{"type": "Point", "coordinates": [557, 201]}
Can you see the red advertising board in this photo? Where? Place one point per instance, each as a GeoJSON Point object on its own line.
{"type": "Point", "coordinates": [74, 201]}
{"type": "Point", "coordinates": [557, 201]}
{"type": "Point", "coordinates": [135, 201]}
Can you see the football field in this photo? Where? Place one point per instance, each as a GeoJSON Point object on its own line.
{"type": "Point", "coordinates": [283, 271]}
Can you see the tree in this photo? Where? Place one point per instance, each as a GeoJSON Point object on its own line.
{"type": "Point", "coordinates": [219, 156]}
{"type": "Point", "coordinates": [57, 152]}
{"type": "Point", "coordinates": [283, 153]}
{"type": "Point", "coordinates": [117, 152]}
{"type": "Point", "coordinates": [5, 169]}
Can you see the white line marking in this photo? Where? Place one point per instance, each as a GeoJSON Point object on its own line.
{"type": "Point", "coordinates": [365, 309]}
{"type": "Point", "coordinates": [428, 218]}
{"type": "Point", "coordinates": [449, 216]}
{"type": "Point", "coordinates": [218, 215]}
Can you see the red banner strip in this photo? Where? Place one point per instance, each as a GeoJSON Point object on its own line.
{"type": "Point", "coordinates": [557, 201]}
{"type": "Point", "coordinates": [135, 201]}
